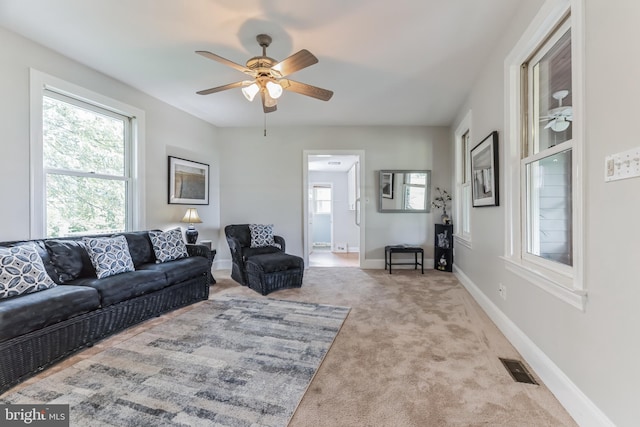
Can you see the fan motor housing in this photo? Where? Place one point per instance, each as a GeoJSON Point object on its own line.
{"type": "Point", "coordinates": [258, 62]}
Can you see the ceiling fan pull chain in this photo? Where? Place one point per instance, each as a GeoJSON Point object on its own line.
{"type": "Point", "coordinates": [265, 124]}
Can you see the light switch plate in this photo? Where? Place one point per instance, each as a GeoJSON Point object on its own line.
{"type": "Point", "coordinates": [625, 164]}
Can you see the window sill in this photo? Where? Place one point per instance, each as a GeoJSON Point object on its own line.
{"type": "Point", "coordinates": [462, 241]}
{"type": "Point", "coordinates": [543, 280]}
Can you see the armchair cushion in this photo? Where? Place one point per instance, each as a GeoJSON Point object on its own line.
{"type": "Point", "coordinates": [261, 235]}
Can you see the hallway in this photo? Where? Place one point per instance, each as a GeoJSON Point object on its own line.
{"type": "Point", "coordinates": [326, 258]}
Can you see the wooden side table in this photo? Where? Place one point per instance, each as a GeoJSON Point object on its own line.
{"type": "Point", "coordinates": [400, 249]}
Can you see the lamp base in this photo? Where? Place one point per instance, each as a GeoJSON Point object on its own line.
{"type": "Point", "coordinates": [191, 234]}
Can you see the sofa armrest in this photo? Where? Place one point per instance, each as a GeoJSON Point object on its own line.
{"type": "Point", "coordinates": [203, 251]}
{"type": "Point", "coordinates": [280, 240]}
{"type": "Point", "coordinates": [198, 250]}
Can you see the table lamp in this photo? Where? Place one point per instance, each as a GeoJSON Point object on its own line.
{"type": "Point", "coordinates": [191, 217]}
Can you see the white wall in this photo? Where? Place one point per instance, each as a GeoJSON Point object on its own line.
{"type": "Point", "coordinates": [261, 179]}
{"type": "Point", "coordinates": [168, 132]}
{"type": "Point", "coordinates": [599, 349]}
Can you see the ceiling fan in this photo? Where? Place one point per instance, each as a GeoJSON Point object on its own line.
{"type": "Point", "coordinates": [268, 76]}
{"type": "Point", "coordinates": [560, 117]}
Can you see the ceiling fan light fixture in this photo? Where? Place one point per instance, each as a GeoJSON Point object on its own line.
{"type": "Point", "coordinates": [274, 89]}
{"type": "Point", "coordinates": [251, 91]}
{"type": "Point", "coordinates": [560, 125]}
{"type": "Point", "coordinates": [269, 101]}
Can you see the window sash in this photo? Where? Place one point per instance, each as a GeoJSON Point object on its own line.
{"type": "Point", "coordinates": [121, 218]}
{"type": "Point", "coordinates": [533, 153]}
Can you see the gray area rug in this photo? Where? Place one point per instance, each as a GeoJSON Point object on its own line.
{"type": "Point", "coordinates": [232, 361]}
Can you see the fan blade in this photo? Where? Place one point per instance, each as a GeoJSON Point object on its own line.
{"type": "Point", "coordinates": [220, 88]}
{"type": "Point", "coordinates": [305, 89]}
{"type": "Point", "coordinates": [295, 62]}
{"type": "Point", "coordinates": [269, 105]}
{"type": "Point", "coordinates": [225, 61]}
{"type": "Point", "coordinates": [551, 123]}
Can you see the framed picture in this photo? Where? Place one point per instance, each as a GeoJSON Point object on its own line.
{"type": "Point", "coordinates": [386, 184]}
{"type": "Point", "coordinates": [188, 182]}
{"type": "Point", "coordinates": [484, 172]}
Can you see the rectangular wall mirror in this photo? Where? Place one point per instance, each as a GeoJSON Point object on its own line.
{"type": "Point", "coordinates": [404, 191]}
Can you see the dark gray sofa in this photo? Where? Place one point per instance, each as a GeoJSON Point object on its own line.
{"type": "Point", "coordinates": [40, 328]}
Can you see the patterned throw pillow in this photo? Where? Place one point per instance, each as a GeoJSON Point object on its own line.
{"type": "Point", "coordinates": [109, 255]}
{"type": "Point", "coordinates": [168, 245]}
{"type": "Point", "coordinates": [22, 271]}
{"type": "Point", "coordinates": [261, 235]}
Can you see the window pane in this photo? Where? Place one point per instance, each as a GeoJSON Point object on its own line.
{"type": "Point", "coordinates": [416, 178]}
{"type": "Point", "coordinates": [323, 193]}
{"type": "Point", "coordinates": [466, 207]}
{"type": "Point", "coordinates": [84, 205]}
{"type": "Point", "coordinates": [414, 197]}
{"type": "Point", "coordinates": [78, 139]}
{"type": "Point", "coordinates": [552, 97]}
{"type": "Point", "coordinates": [549, 222]}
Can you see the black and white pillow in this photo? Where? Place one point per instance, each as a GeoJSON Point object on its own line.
{"type": "Point", "coordinates": [261, 235]}
{"type": "Point", "coordinates": [168, 245]}
{"type": "Point", "coordinates": [109, 255]}
{"type": "Point", "coordinates": [22, 271]}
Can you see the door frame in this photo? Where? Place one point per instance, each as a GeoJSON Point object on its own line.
{"type": "Point", "coordinates": [306, 238]}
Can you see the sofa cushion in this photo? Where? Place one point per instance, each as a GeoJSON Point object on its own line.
{"type": "Point", "coordinates": [31, 312]}
{"type": "Point", "coordinates": [140, 247]}
{"type": "Point", "coordinates": [109, 255]}
{"type": "Point", "coordinates": [261, 235]}
{"type": "Point", "coordinates": [124, 286]}
{"type": "Point", "coordinates": [180, 269]}
{"type": "Point", "coordinates": [168, 245]}
{"type": "Point", "coordinates": [22, 271]}
{"type": "Point", "coordinates": [70, 259]}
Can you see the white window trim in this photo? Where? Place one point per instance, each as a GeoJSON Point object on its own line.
{"type": "Point", "coordinates": [568, 288]}
{"type": "Point", "coordinates": [465, 126]}
{"type": "Point", "coordinates": [40, 81]}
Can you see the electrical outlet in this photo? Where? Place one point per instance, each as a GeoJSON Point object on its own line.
{"type": "Point", "coordinates": [502, 291]}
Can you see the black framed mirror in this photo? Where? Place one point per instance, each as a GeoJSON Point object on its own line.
{"type": "Point", "coordinates": [404, 191]}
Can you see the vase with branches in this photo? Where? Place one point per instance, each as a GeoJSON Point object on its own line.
{"type": "Point", "coordinates": [440, 202]}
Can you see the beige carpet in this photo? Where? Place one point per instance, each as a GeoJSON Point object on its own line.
{"type": "Point", "coordinates": [415, 350]}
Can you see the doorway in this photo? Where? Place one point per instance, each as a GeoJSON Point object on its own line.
{"type": "Point", "coordinates": [333, 223]}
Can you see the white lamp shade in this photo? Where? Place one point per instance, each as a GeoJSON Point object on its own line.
{"type": "Point", "coordinates": [250, 91]}
{"type": "Point", "coordinates": [275, 90]}
{"type": "Point", "coordinates": [191, 216]}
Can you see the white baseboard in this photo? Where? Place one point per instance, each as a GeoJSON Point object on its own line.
{"type": "Point", "coordinates": [579, 406]}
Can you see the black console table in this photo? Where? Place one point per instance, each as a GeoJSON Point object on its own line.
{"type": "Point", "coordinates": [403, 249]}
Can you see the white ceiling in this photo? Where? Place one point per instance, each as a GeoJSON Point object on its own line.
{"type": "Point", "coordinates": [401, 62]}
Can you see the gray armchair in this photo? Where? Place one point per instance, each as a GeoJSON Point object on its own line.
{"type": "Point", "coordinates": [263, 269]}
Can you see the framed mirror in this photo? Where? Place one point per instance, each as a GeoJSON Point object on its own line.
{"type": "Point", "coordinates": [404, 191]}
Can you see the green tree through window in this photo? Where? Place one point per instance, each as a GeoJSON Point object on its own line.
{"type": "Point", "coordinates": [86, 169]}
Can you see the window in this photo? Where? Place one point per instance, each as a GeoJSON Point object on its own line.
{"type": "Point", "coordinates": [414, 191]}
{"type": "Point", "coordinates": [83, 161]}
{"type": "Point", "coordinates": [321, 199]}
{"type": "Point", "coordinates": [546, 153]}
{"type": "Point", "coordinates": [462, 196]}
{"type": "Point", "coordinates": [544, 131]}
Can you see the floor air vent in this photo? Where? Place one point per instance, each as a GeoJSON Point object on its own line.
{"type": "Point", "coordinates": [518, 371]}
